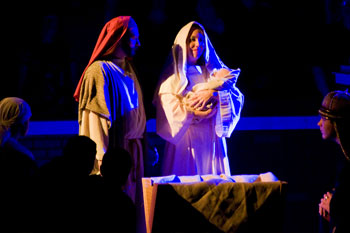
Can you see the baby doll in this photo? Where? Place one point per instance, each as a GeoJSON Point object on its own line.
{"type": "Point", "coordinates": [217, 81]}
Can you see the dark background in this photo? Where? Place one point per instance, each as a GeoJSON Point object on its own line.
{"type": "Point", "coordinates": [287, 51]}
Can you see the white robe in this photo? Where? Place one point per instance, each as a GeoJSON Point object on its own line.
{"type": "Point", "coordinates": [194, 146]}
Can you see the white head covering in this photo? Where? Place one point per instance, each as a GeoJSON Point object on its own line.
{"type": "Point", "coordinates": [173, 82]}
{"type": "Point", "coordinates": [13, 111]}
{"type": "Point", "coordinates": [173, 79]}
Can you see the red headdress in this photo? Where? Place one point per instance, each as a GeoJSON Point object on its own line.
{"type": "Point", "coordinates": [108, 39]}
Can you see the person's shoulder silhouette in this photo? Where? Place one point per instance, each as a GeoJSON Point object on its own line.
{"type": "Point", "coordinates": [67, 190]}
{"type": "Point", "coordinates": [118, 210]}
{"type": "Point", "coordinates": [116, 166]}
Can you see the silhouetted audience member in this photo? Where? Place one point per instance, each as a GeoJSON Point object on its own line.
{"type": "Point", "coordinates": [67, 188]}
{"type": "Point", "coordinates": [79, 154]}
{"type": "Point", "coordinates": [17, 162]}
{"type": "Point", "coordinates": [117, 210]}
{"type": "Point", "coordinates": [335, 125]}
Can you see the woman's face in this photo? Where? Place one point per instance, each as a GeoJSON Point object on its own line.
{"type": "Point", "coordinates": [195, 46]}
{"type": "Point", "coordinates": [326, 128]}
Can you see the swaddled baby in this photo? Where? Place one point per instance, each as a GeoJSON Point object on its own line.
{"type": "Point", "coordinates": [217, 81]}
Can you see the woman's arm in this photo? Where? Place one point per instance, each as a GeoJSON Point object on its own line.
{"type": "Point", "coordinates": [200, 100]}
{"type": "Point", "coordinates": [173, 118]}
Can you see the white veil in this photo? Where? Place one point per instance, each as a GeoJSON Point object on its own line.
{"type": "Point", "coordinates": [173, 79]}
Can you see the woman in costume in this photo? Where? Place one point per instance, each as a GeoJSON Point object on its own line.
{"type": "Point", "coordinates": [18, 161]}
{"type": "Point", "coordinates": [335, 125]}
{"type": "Point", "coordinates": [198, 106]}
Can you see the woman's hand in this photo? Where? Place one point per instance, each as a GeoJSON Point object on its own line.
{"type": "Point", "coordinates": [201, 99]}
{"type": "Point", "coordinates": [205, 114]}
{"type": "Point", "coordinates": [324, 207]}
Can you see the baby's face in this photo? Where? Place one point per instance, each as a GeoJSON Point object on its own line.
{"type": "Point", "coordinates": [221, 73]}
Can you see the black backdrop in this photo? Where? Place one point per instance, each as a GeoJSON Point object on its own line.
{"type": "Point", "coordinates": [282, 48]}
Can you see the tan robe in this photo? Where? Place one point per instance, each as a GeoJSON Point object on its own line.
{"type": "Point", "coordinates": [111, 113]}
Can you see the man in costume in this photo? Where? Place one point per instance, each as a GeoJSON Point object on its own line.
{"type": "Point", "coordinates": [111, 110]}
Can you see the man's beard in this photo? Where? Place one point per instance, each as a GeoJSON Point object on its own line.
{"type": "Point", "coordinates": [130, 52]}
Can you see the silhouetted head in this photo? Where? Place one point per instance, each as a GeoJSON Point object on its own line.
{"type": "Point", "coordinates": [79, 154]}
{"type": "Point", "coordinates": [116, 165]}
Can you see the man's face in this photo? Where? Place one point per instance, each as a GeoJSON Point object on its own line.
{"type": "Point", "coordinates": [133, 42]}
